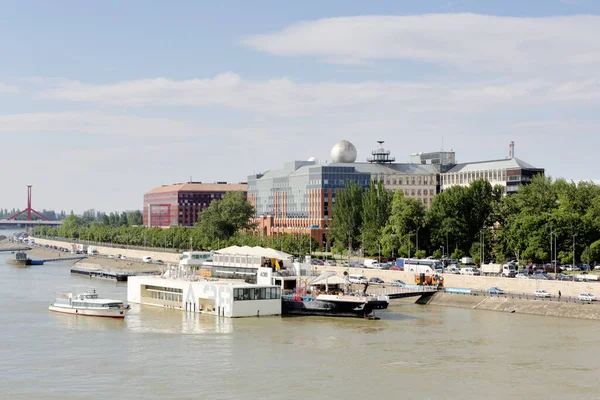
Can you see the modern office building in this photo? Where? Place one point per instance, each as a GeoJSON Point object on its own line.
{"type": "Point", "coordinates": [180, 204]}
{"type": "Point", "coordinates": [509, 173]}
{"type": "Point", "coordinates": [299, 198]}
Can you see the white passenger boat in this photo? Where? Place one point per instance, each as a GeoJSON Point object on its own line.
{"type": "Point", "coordinates": [88, 304]}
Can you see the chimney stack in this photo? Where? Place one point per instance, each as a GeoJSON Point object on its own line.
{"type": "Point", "coordinates": [511, 150]}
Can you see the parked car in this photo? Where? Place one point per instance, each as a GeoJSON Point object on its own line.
{"type": "Point", "coordinates": [522, 276]}
{"type": "Point", "coordinates": [357, 278]}
{"type": "Point", "coordinates": [542, 293]}
{"type": "Point", "coordinates": [398, 282]}
{"type": "Point", "coordinates": [541, 276]}
{"type": "Point", "coordinates": [376, 280]}
{"type": "Point", "coordinates": [159, 262]}
{"type": "Point", "coordinates": [123, 257]}
{"type": "Point", "coordinates": [563, 277]}
{"type": "Point", "coordinates": [395, 268]}
{"type": "Point", "coordinates": [587, 297]}
{"type": "Point", "coordinates": [495, 290]}
{"type": "Point", "coordinates": [454, 270]}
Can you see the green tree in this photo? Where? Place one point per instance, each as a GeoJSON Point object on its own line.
{"type": "Point", "coordinates": [457, 254]}
{"type": "Point", "coordinates": [347, 216]}
{"type": "Point", "coordinates": [376, 205]}
{"type": "Point", "coordinates": [135, 218]}
{"type": "Point", "coordinates": [123, 219]}
{"type": "Point", "coordinates": [420, 254]}
{"type": "Point", "coordinates": [406, 218]}
{"type": "Point", "coordinates": [222, 219]}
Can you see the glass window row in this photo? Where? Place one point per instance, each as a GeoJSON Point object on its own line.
{"type": "Point", "coordinates": [256, 294]}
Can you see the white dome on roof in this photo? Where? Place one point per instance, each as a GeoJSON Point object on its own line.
{"type": "Point", "coordinates": [312, 159]}
{"type": "Point", "coordinates": [343, 152]}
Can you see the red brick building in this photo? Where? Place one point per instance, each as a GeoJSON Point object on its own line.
{"type": "Point", "coordinates": [180, 204]}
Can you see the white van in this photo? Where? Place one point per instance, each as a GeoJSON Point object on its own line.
{"type": "Point", "coordinates": [468, 271]}
{"type": "Point", "coordinates": [360, 279]}
{"type": "Point", "coordinates": [147, 259]}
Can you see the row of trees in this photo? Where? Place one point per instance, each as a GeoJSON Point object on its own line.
{"type": "Point", "coordinates": [463, 219]}
{"type": "Point", "coordinates": [223, 223]}
{"type": "Point", "coordinates": [50, 214]}
{"type": "Point", "coordinates": [472, 220]}
{"type": "Point", "coordinates": [132, 218]}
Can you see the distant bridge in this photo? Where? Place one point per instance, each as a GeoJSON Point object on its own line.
{"type": "Point", "coordinates": [17, 222]}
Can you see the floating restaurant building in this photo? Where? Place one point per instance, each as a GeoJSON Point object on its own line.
{"type": "Point", "coordinates": [223, 283]}
{"type": "Point", "coordinates": [208, 296]}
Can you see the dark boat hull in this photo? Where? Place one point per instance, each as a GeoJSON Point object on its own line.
{"type": "Point", "coordinates": [20, 263]}
{"type": "Point", "coordinates": [304, 306]}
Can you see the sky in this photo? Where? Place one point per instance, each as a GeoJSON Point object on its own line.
{"type": "Point", "coordinates": [102, 101]}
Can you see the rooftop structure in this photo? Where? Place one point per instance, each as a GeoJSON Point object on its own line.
{"type": "Point", "coordinates": [179, 204]}
{"type": "Point", "coordinates": [509, 173]}
{"type": "Point", "coordinates": [381, 155]}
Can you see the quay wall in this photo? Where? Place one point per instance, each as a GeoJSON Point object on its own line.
{"type": "Point", "coordinates": [511, 285]}
{"type": "Point", "coordinates": [129, 253]}
{"type": "Point", "coordinates": [514, 304]}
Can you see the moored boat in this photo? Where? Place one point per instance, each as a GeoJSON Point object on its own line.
{"type": "Point", "coordinates": [19, 258]}
{"type": "Point", "coordinates": [333, 305]}
{"type": "Point", "coordinates": [88, 304]}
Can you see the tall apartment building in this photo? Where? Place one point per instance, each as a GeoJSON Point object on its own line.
{"type": "Point", "coordinates": [180, 204]}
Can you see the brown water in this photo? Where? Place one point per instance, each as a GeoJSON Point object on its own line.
{"type": "Point", "coordinates": [415, 352]}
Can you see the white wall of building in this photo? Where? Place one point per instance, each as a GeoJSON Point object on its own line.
{"type": "Point", "coordinates": [197, 295]}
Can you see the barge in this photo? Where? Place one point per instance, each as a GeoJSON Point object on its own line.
{"type": "Point", "coordinates": [101, 274]}
{"type": "Point", "coordinates": [333, 305]}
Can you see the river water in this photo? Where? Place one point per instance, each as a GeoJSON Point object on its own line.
{"type": "Point", "coordinates": [416, 352]}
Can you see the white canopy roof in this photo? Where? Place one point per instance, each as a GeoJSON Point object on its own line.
{"type": "Point", "coordinates": [329, 279]}
{"type": "Point", "coordinates": [254, 251]}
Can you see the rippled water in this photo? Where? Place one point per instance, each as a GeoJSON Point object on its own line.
{"type": "Point", "coordinates": [412, 352]}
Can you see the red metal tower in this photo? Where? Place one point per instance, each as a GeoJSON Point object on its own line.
{"type": "Point", "coordinates": [29, 210]}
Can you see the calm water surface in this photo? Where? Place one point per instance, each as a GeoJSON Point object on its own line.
{"type": "Point", "coordinates": [417, 352]}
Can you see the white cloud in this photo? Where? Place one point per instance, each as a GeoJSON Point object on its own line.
{"type": "Point", "coordinates": [4, 88]}
{"type": "Point", "coordinates": [285, 98]}
{"type": "Point", "coordinates": [472, 41]}
{"type": "Point", "coordinates": [96, 123]}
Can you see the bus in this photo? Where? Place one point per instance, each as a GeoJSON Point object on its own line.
{"type": "Point", "coordinates": [419, 266]}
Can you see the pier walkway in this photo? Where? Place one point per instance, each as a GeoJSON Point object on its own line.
{"type": "Point", "coordinates": [398, 292]}
{"type": "Point", "coordinates": [62, 259]}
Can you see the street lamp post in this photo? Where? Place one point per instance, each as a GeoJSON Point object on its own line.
{"type": "Point", "coordinates": [417, 241]}
{"type": "Point", "coordinates": [573, 264]}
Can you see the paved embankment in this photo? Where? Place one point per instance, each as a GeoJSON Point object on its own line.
{"type": "Point", "coordinates": [129, 253]}
{"type": "Point", "coordinates": [90, 263]}
{"type": "Point", "coordinates": [512, 285]}
{"type": "Point", "coordinates": [515, 304]}
{"type": "Point", "coordinates": [37, 252]}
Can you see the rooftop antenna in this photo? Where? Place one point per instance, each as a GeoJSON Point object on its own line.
{"type": "Point", "coordinates": [442, 143]}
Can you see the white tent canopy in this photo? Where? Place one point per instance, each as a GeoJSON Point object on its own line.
{"type": "Point", "coordinates": [254, 251]}
{"type": "Point", "coordinates": [328, 279]}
